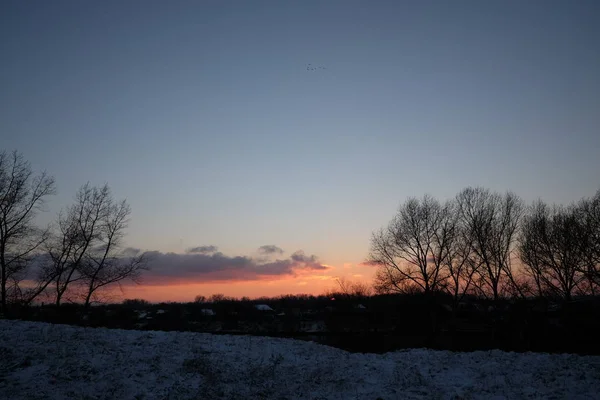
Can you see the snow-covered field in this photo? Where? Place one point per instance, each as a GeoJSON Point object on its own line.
{"type": "Point", "coordinates": [44, 361]}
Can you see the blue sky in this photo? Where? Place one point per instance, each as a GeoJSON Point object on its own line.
{"type": "Point", "coordinates": [204, 116]}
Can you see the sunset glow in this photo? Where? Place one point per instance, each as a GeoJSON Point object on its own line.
{"type": "Point", "coordinates": [259, 144]}
{"type": "Point", "coordinates": [305, 283]}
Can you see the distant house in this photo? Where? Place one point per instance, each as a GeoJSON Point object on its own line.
{"type": "Point", "coordinates": [142, 314]}
{"type": "Point", "coordinates": [263, 307]}
{"type": "Point", "coordinates": [207, 312]}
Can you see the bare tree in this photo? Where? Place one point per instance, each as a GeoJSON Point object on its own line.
{"type": "Point", "coordinates": [218, 298]}
{"type": "Point", "coordinates": [79, 228]}
{"type": "Point", "coordinates": [492, 220]}
{"type": "Point", "coordinates": [411, 251]}
{"type": "Point", "coordinates": [461, 267]}
{"type": "Point", "coordinates": [349, 288]}
{"type": "Point", "coordinates": [589, 214]}
{"type": "Point", "coordinates": [107, 263]}
{"type": "Point", "coordinates": [530, 247]}
{"type": "Point", "coordinates": [553, 249]}
{"type": "Point", "coordinates": [85, 249]}
{"type": "Point", "coordinates": [22, 195]}
{"type": "Point", "coordinates": [200, 299]}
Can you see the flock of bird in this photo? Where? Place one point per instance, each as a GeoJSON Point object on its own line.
{"type": "Point", "coordinates": [310, 67]}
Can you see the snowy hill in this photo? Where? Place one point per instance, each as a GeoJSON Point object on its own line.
{"type": "Point", "coordinates": [44, 361]}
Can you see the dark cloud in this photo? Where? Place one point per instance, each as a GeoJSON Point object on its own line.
{"type": "Point", "coordinates": [131, 252]}
{"type": "Point", "coordinates": [217, 267]}
{"type": "Point", "coordinates": [299, 256]}
{"type": "Point", "coordinates": [270, 249]}
{"type": "Point", "coordinates": [203, 249]}
{"type": "Point", "coordinates": [370, 264]}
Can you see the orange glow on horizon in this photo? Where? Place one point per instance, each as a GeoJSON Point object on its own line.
{"type": "Point", "coordinates": [255, 289]}
{"type": "Point", "coordinates": [187, 291]}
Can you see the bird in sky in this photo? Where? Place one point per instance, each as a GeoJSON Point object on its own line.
{"type": "Point", "coordinates": [311, 67]}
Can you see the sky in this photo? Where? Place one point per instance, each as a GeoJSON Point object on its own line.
{"type": "Point", "coordinates": [300, 125]}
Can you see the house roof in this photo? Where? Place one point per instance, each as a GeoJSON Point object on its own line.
{"type": "Point", "coordinates": [263, 307]}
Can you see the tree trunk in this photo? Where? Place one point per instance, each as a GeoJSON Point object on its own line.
{"type": "Point", "coordinates": [3, 309]}
{"type": "Point", "coordinates": [3, 301]}
{"type": "Point", "coordinates": [88, 298]}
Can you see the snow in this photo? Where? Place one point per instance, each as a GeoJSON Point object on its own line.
{"type": "Point", "coordinates": [45, 361]}
{"type": "Point", "coordinates": [207, 311]}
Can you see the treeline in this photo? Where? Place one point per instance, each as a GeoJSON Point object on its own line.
{"type": "Point", "coordinates": [490, 245]}
{"type": "Point", "coordinates": [71, 260]}
{"type": "Point", "coordinates": [378, 323]}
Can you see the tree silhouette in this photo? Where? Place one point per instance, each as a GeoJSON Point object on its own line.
{"type": "Point", "coordinates": [492, 221]}
{"type": "Point", "coordinates": [413, 248]}
{"type": "Point", "coordinates": [553, 249]}
{"type": "Point", "coordinates": [22, 194]}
